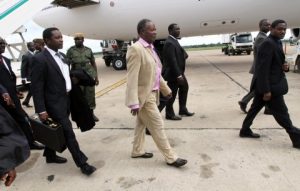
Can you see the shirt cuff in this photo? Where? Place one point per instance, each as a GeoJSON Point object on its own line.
{"type": "Point", "coordinates": [136, 106]}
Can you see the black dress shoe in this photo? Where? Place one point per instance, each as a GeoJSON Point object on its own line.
{"type": "Point", "coordinates": [174, 117]}
{"type": "Point", "coordinates": [178, 163]}
{"type": "Point", "coordinates": [249, 135]}
{"type": "Point", "coordinates": [56, 159]}
{"type": "Point", "coordinates": [36, 146]}
{"type": "Point", "coordinates": [87, 169]}
{"type": "Point", "coordinates": [295, 137]}
{"type": "Point", "coordinates": [145, 156]}
{"type": "Point", "coordinates": [186, 113]}
{"type": "Point", "coordinates": [243, 106]}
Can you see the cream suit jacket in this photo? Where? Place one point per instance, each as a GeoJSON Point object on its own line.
{"type": "Point", "coordinates": [141, 70]}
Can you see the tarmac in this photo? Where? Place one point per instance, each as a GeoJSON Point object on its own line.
{"type": "Point", "coordinates": [218, 159]}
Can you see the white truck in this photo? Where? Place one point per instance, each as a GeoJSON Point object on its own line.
{"type": "Point", "coordinates": [294, 59]}
{"type": "Point", "coordinates": [114, 53]}
{"type": "Point", "coordinates": [237, 43]}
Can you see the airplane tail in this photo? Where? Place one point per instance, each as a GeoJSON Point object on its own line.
{"type": "Point", "coordinates": [14, 13]}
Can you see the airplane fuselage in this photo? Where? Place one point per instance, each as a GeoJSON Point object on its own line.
{"type": "Point", "coordinates": [117, 19]}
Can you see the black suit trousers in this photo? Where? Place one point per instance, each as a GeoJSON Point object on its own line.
{"type": "Point", "coordinates": [279, 112]}
{"type": "Point", "coordinates": [182, 90]}
{"type": "Point", "coordinates": [72, 144]}
{"type": "Point", "coordinates": [27, 99]}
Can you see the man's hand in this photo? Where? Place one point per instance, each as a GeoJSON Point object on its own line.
{"type": "Point", "coordinates": [9, 177]}
{"type": "Point", "coordinates": [8, 100]}
{"type": "Point", "coordinates": [43, 116]}
{"type": "Point", "coordinates": [169, 96]}
{"type": "Point", "coordinates": [267, 96]}
{"type": "Point", "coordinates": [134, 112]}
{"type": "Point", "coordinates": [180, 80]}
{"type": "Point", "coordinates": [286, 67]}
{"type": "Point", "coordinates": [97, 81]}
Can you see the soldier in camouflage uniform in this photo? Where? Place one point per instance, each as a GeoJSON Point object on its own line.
{"type": "Point", "coordinates": [81, 57]}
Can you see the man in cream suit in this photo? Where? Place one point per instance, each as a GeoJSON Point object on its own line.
{"type": "Point", "coordinates": [144, 82]}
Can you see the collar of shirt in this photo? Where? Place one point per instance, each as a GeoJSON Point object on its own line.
{"type": "Point", "coordinates": [52, 52]}
{"type": "Point", "coordinates": [173, 37]}
{"type": "Point", "coordinates": [145, 44]}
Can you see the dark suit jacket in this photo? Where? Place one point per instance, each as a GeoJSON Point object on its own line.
{"type": "Point", "coordinates": [49, 92]}
{"type": "Point", "coordinates": [13, 144]}
{"type": "Point", "coordinates": [174, 57]}
{"type": "Point", "coordinates": [8, 82]}
{"type": "Point", "coordinates": [261, 36]}
{"type": "Point", "coordinates": [26, 66]}
{"type": "Point", "coordinates": [268, 71]}
{"type": "Point", "coordinates": [48, 86]}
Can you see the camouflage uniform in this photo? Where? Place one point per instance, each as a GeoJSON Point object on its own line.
{"type": "Point", "coordinates": [81, 58]}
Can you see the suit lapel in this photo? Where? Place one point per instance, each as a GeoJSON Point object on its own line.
{"type": "Point", "coordinates": [9, 71]}
{"type": "Point", "coordinates": [52, 62]}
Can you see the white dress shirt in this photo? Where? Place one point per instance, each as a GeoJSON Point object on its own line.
{"type": "Point", "coordinates": [64, 68]}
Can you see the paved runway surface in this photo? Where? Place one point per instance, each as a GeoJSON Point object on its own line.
{"type": "Point", "coordinates": [218, 160]}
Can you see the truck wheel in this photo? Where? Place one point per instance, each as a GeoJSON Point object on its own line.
{"type": "Point", "coordinates": [119, 63]}
{"type": "Point", "coordinates": [226, 51]}
{"type": "Point", "coordinates": [229, 52]}
{"type": "Point", "coordinates": [248, 52]}
{"type": "Point", "coordinates": [107, 62]}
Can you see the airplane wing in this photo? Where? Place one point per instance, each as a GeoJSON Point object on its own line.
{"type": "Point", "coordinates": [14, 13]}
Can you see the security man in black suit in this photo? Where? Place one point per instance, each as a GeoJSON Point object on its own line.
{"type": "Point", "coordinates": [51, 83]}
{"type": "Point", "coordinates": [13, 146]}
{"type": "Point", "coordinates": [26, 67]}
{"type": "Point", "coordinates": [270, 84]}
{"type": "Point", "coordinates": [10, 100]}
{"type": "Point", "coordinates": [174, 57]}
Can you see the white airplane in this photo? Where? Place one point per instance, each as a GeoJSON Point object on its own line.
{"type": "Point", "coordinates": [117, 19]}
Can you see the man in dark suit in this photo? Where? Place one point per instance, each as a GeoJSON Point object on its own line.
{"type": "Point", "coordinates": [264, 28]}
{"type": "Point", "coordinates": [51, 83]}
{"type": "Point", "coordinates": [13, 146]}
{"type": "Point", "coordinates": [26, 67]}
{"type": "Point", "coordinates": [174, 57]}
{"type": "Point", "coordinates": [270, 84]}
{"type": "Point", "coordinates": [10, 100]}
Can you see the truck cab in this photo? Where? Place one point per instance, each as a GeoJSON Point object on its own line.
{"type": "Point", "coordinates": [238, 43]}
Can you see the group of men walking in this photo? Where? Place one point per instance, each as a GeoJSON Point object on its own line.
{"type": "Point", "coordinates": [147, 78]}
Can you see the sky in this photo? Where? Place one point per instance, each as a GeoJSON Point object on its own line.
{"type": "Point", "coordinates": [35, 31]}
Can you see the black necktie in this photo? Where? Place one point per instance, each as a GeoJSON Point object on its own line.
{"type": "Point", "coordinates": [1, 60]}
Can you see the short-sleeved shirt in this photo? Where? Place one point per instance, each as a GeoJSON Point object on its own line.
{"type": "Point", "coordinates": [81, 58]}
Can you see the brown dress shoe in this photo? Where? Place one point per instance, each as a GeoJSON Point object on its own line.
{"type": "Point", "coordinates": [145, 156]}
{"type": "Point", "coordinates": [178, 163]}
